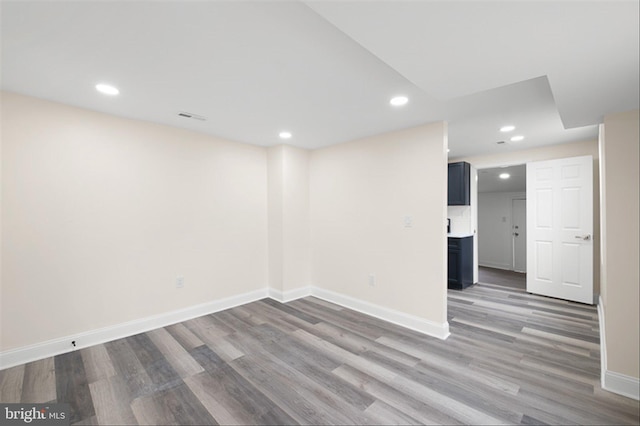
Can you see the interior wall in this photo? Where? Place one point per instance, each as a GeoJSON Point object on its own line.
{"type": "Point", "coordinates": [495, 242]}
{"type": "Point", "coordinates": [363, 194]}
{"type": "Point", "coordinates": [1, 219]}
{"type": "Point", "coordinates": [101, 214]}
{"type": "Point", "coordinates": [296, 217]}
{"type": "Point", "coordinates": [275, 196]}
{"type": "Point", "coordinates": [289, 233]}
{"type": "Point", "coordinates": [620, 239]}
{"type": "Point", "coordinates": [552, 152]}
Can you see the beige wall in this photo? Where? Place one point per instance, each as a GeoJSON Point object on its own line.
{"type": "Point", "coordinates": [289, 234]}
{"type": "Point", "coordinates": [360, 193]}
{"type": "Point", "coordinates": [620, 157]}
{"type": "Point", "coordinates": [100, 214]}
{"type": "Point", "coordinates": [1, 220]}
{"type": "Point", "coordinates": [275, 173]}
{"type": "Point", "coordinates": [296, 217]}
{"type": "Point", "coordinates": [575, 149]}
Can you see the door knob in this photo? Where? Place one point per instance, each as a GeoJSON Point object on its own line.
{"type": "Point", "coordinates": [584, 237]}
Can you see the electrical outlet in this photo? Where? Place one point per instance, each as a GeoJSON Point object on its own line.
{"type": "Point", "coordinates": [179, 282]}
{"type": "Point", "coordinates": [408, 222]}
{"type": "Point", "coordinates": [372, 280]}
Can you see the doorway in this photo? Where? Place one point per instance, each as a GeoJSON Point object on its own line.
{"type": "Point", "coordinates": [502, 218]}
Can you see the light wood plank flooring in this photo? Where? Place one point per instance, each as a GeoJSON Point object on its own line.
{"type": "Point", "coordinates": [512, 358]}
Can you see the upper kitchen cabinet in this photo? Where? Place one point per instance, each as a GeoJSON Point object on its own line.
{"type": "Point", "coordinates": [459, 184]}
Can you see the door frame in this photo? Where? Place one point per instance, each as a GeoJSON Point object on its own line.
{"type": "Point", "coordinates": [519, 159]}
{"type": "Point", "coordinates": [524, 196]}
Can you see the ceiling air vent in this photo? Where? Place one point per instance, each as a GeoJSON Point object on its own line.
{"type": "Point", "coordinates": [190, 115]}
{"type": "Point", "coordinates": [500, 142]}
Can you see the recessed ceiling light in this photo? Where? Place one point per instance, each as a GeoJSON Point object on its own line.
{"type": "Point", "coordinates": [517, 138]}
{"type": "Point", "coordinates": [399, 100]}
{"type": "Point", "coordinates": [107, 89]}
{"type": "Point", "coordinates": [507, 128]}
{"type": "Point", "coordinates": [285, 135]}
{"type": "Point", "coordinates": [504, 176]}
{"type": "Point", "coordinates": [448, 150]}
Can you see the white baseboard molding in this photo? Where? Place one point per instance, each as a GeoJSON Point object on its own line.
{"type": "Point", "coordinates": [610, 380]}
{"type": "Point", "coordinates": [421, 325]}
{"type": "Point", "coordinates": [289, 295]}
{"type": "Point", "coordinates": [62, 345]}
{"type": "Point", "coordinates": [603, 341]}
{"type": "Point", "coordinates": [441, 331]}
{"type": "Point", "coordinates": [621, 384]}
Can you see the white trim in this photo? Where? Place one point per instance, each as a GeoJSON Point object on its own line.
{"type": "Point", "coordinates": [603, 341]}
{"type": "Point", "coordinates": [275, 294]}
{"type": "Point", "coordinates": [289, 295]}
{"type": "Point", "coordinates": [610, 380]}
{"type": "Point", "coordinates": [421, 325]}
{"type": "Point", "coordinates": [621, 384]}
{"type": "Point", "coordinates": [62, 345]}
{"type": "Point", "coordinates": [441, 331]}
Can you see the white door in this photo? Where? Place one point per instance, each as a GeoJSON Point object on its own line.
{"type": "Point", "coordinates": [519, 234]}
{"type": "Point", "coordinates": [560, 228]}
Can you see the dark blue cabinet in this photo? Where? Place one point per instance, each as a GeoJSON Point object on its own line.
{"type": "Point", "coordinates": [459, 184]}
{"type": "Point", "coordinates": [460, 262]}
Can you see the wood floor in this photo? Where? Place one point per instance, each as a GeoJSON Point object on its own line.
{"type": "Point", "coordinates": [512, 358]}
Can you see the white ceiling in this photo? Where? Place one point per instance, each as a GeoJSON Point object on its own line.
{"type": "Point", "coordinates": [489, 179]}
{"type": "Point", "coordinates": [325, 70]}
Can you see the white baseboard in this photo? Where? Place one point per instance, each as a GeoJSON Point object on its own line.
{"type": "Point", "coordinates": [621, 384]}
{"type": "Point", "coordinates": [610, 380]}
{"type": "Point", "coordinates": [441, 331]}
{"type": "Point", "coordinates": [603, 341]}
{"type": "Point", "coordinates": [62, 345]}
{"type": "Point", "coordinates": [289, 295]}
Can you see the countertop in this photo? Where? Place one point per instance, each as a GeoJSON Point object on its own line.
{"type": "Point", "coordinates": [456, 235]}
